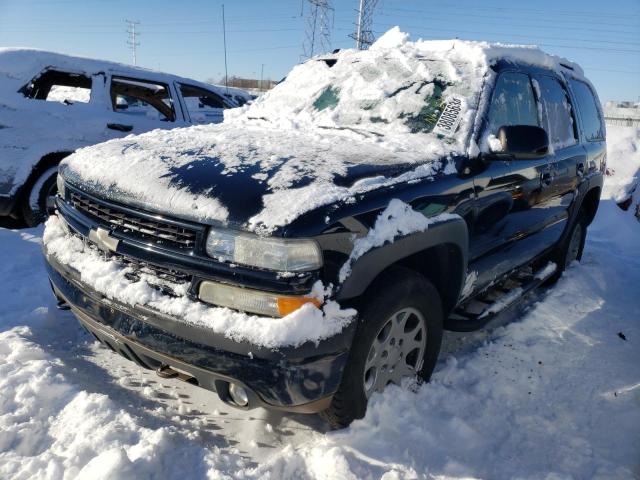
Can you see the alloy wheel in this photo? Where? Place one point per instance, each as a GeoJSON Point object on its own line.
{"type": "Point", "coordinates": [397, 350]}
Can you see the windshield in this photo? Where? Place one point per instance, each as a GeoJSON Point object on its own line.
{"type": "Point", "coordinates": [379, 92]}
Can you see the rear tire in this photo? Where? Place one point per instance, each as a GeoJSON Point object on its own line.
{"type": "Point", "coordinates": [34, 202]}
{"type": "Point", "coordinates": [389, 325]}
{"type": "Point", "coordinates": [570, 249]}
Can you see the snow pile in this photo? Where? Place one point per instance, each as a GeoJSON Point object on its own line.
{"type": "Point", "coordinates": [108, 277]}
{"type": "Point", "coordinates": [623, 163]}
{"type": "Point", "coordinates": [49, 428]}
{"type": "Point", "coordinates": [332, 115]}
{"type": "Point", "coordinates": [397, 220]}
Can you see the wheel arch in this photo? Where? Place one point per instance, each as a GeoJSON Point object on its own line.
{"type": "Point", "coordinates": [47, 161]}
{"type": "Point", "coordinates": [439, 254]}
{"type": "Point", "coordinates": [590, 202]}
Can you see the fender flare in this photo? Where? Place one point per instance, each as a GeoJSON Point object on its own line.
{"type": "Point", "coordinates": [365, 269]}
{"type": "Point", "coordinates": [589, 184]}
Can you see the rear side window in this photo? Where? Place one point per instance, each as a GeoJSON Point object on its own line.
{"type": "Point", "coordinates": [555, 110]}
{"type": "Point", "coordinates": [589, 112]}
{"type": "Point", "coordinates": [512, 102]}
{"type": "Point", "coordinates": [141, 98]}
{"type": "Point", "coordinates": [58, 86]}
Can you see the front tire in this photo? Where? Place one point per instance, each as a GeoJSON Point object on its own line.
{"type": "Point", "coordinates": [398, 336]}
{"type": "Point", "coordinates": [34, 203]}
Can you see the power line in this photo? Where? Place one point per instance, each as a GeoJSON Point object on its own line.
{"type": "Point", "coordinates": [500, 20]}
{"type": "Point", "coordinates": [549, 17]}
{"type": "Point", "coordinates": [133, 42]}
{"type": "Point", "coordinates": [549, 12]}
{"type": "Point", "coordinates": [419, 30]}
{"type": "Point", "coordinates": [364, 34]}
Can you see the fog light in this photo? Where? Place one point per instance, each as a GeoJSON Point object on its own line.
{"type": "Point", "coordinates": [239, 395]}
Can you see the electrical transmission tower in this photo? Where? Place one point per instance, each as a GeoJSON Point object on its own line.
{"type": "Point", "coordinates": [133, 39]}
{"type": "Point", "coordinates": [364, 31]}
{"type": "Point", "coordinates": [319, 24]}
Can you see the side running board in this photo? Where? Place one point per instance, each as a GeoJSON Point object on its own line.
{"type": "Point", "coordinates": [480, 310]}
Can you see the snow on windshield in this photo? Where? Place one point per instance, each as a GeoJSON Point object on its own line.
{"type": "Point", "coordinates": [394, 89]}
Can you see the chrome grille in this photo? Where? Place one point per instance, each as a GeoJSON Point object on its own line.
{"type": "Point", "coordinates": [157, 231]}
{"type": "Point", "coordinates": [163, 273]}
{"type": "Point", "coordinates": [164, 279]}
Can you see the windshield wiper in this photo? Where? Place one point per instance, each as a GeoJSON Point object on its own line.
{"type": "Point", "coordinates": [364, 133]}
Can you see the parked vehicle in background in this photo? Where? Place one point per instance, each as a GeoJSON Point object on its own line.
{"type": "Point", "coordinates": [310, 251]}
{"type": "Point", "coordinates": [237, 95]}
{"type": "Point", "coordinates": [52, 104]}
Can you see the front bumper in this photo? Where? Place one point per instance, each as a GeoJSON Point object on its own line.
{"type": "Point", "coordinates": [298, 379]}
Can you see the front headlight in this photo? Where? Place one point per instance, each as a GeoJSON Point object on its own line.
{"type": "Point", "coordinates": [60, 185]}
{"type": "Point", "coordinates": [277, 254]}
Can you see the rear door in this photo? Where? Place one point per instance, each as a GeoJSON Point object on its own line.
{"type": "Point", "coordinates": [592, 129]}
{"type": "Point", "coordinates": [568, 155]}
{"type": "Point", "coordinates": [202, 105]}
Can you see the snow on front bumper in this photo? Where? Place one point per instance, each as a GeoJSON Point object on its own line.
{"type": "Point", "coordinates": [109, 278]}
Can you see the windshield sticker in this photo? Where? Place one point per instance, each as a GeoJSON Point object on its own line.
{"type": "Point", "coordinates": [450, 118]}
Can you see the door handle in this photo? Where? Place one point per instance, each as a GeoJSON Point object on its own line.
{"type": "Point", "coordinates": [120, 127]}
{"type": "Point", "coordinates": [580, 169]}
{"type": "Point", "coordinates": [545, 179]}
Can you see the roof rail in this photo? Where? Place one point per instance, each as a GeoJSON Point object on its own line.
{"type": "Point", "coordinates": [568, 67]}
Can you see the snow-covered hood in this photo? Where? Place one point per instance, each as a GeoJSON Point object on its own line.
{"type": "Point", "coordinates": [255, 177]}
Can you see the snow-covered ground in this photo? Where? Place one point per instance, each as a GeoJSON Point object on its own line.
{"type": "Point", "coordinates": [551, 392]}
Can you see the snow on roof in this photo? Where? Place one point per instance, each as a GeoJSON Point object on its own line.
{"type": "Point", "coordinates": [19, 65]}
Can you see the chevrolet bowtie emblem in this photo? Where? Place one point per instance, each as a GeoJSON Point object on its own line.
{"type": "Point", "coordinates": [103, 240]}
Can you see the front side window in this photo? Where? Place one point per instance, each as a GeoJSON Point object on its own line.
{"type": "Point", "coordinates": [512, 102]}
{"type": "Point", "coordinates": [141, 98]}
{"type": "Point", "coordinates": [203, 106]}
{"type": "Point", "coordinates": [592, 121]}
{"type": "Point", "coordinates": [557, 117]}
{"type": "Point", "coordinates": [59, 86]}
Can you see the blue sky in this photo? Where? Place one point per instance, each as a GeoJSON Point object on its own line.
{"type": "Point", "coordinates": [185, 36]}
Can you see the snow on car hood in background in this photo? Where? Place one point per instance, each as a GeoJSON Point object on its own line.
{"type": "Point", "coordinates": [283, 155]}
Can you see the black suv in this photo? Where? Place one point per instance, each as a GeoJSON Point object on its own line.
{"type": "Point", "coordinates": [418, 187]}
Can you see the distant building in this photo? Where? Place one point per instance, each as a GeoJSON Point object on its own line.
{"type": "Point", "coordinates": [622, 110]}
{"type": "Point", "coordinates": [250, 84]}
{"type": "Point", "coordinates": [622, 113]}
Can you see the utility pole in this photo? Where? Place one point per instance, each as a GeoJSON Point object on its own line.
{"type": "Point", "coordinates": [133, 40]}
{"type": "Point", "coordinates": [364, 31]}
{"type": "Point", "coordinates": [261, 75]}
{"type": "Point", "coordinates": [224, 39]}
{"type": "Point", "coordinates": [319, 24]}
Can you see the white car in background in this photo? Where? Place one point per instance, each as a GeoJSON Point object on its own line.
{"type": "Point", "coordinates": [52, 104]}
